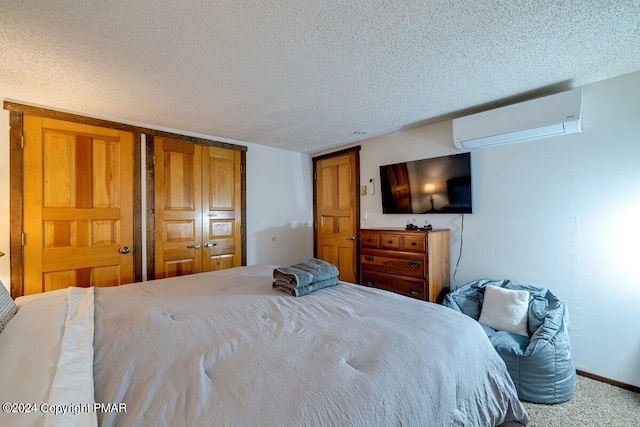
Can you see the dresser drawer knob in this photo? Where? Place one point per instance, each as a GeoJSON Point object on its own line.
{"type": "Point", "coordinates": [414, 292]}
{"type": "Point", "coordinates": [369, 283]}
{"type": "Point", "coordinates": [369, 240]}
{"type": "Point", "coordinates": [389, 241]}
{"type": "Point", "coordinates": [414, 244]}
{"type": "Point", "coordinates": [368, 258]}
{"type": "Point", "coordinates": [414, 265]}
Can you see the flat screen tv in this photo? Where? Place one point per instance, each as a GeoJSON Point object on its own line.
{"type": "Point", "coordinates": [436, 185]}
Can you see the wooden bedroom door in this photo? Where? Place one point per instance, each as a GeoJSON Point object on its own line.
{"type": "Point", "coordinates": [197, 208]}
{"type": "Point", "coordinates": [78, 205]}
{"type": "Point", "coordinates": [337, 212]}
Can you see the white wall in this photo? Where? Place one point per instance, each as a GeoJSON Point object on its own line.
{"type": "Point", "coordinates": [561, 213]}
{"type": "Point", "coordinates": [279, 204]}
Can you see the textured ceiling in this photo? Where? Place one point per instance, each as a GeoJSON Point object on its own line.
{"type": "Point", "coordinates": [305, 75]}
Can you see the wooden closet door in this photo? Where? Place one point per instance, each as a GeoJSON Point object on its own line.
{"type": "Point", "coordinates": [178, 208]}
{"type": "Point", "coordinates": [78, 198]}
{"type": "Point", "coordinates": [198, 208]}
{"type": "Point", "coordinates": [221, 204]}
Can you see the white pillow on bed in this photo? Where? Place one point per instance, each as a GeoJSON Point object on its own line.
{"type": "Point", "coordinates": [7, 307]}
{"type": "Point", "coordinates": [505, 310]}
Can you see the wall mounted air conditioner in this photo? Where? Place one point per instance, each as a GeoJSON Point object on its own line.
{"type": "Point", "coordinates": [552, 115]}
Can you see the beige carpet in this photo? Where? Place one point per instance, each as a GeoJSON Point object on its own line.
{"type": "Point", "coordinates": [594, 404]}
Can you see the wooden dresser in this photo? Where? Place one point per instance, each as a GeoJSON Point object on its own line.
{"type": "Point", "coordinates": [414, 263]}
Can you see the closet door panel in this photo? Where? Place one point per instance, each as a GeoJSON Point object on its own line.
{"type": "Point", "coordinates": [222, 216]}
{"type": "Point", "coordinates": [177, 208]}
{"type": "Point", "coordinates": [198, 214]}
{"type": "Point", "coordinates": [78, 202]}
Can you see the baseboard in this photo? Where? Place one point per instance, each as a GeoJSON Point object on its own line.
{"type": "Point", "coordinates": [608, 381]}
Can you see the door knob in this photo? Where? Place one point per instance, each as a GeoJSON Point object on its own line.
{"type": "Point", "coordinates": [351, 238]}
{"type": "Point", "coordinates": [209, 244]}
{"type": "Point", "coordinates": [194, 246]}
{"type": "Point", "coordinates": [125, 250]}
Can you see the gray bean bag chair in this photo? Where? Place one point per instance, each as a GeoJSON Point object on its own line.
{"type": "Point", "coordinates": [541, 365]}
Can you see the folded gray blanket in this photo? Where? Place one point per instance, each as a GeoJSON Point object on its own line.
{"type": "Point", "coordinates": [305, 273]}
{"type": "Point", "coordinates": [304, 290]}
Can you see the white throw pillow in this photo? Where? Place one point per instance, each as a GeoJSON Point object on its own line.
{"type": "Point", "coordinates": [505, 310]}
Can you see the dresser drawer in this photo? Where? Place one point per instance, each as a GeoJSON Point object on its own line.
{"type": "Point", "coordinates": [369, 240]}
{"type": "Point", "coordinates": [414, 288]}
{"type": "Point", "coordinates": [406, 264]}
{"type": "Point", "coordinates": [389, 241]}
{"type": "Point", "coordinates": [414, 243]}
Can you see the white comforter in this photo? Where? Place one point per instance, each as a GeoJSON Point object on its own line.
{"type": "Point", "coordinates": [225, 349]}
{"type": "Point", "coordinates": [46, 361]}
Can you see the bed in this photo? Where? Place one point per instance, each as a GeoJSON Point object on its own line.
{"type": "Point", "coordinates": [225, 348]}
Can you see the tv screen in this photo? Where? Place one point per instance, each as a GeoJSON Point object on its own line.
{"type": "Point", "coordinates": [436, 185]}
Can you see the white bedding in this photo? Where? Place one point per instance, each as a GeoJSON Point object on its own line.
{"type": "Point", "coordinates": [46, 361]}
{"type": "Point", "coordinates": [225, 349]}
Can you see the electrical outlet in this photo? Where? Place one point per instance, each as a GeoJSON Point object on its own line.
{"type": "Point", "coordinates": [370, 187]}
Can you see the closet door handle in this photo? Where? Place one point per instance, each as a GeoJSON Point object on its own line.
{"type": "Point", "coordinates": [194, 246]}
{"type": "Point", "coordinates": [209, 244]}
{"type": "Point", "coordinates": [125, 250]}
{"type": "Point", "coordinates": [352, 238]}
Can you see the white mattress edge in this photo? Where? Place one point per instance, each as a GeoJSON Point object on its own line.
{"type": "Point", "coordinates": [71, 400]}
